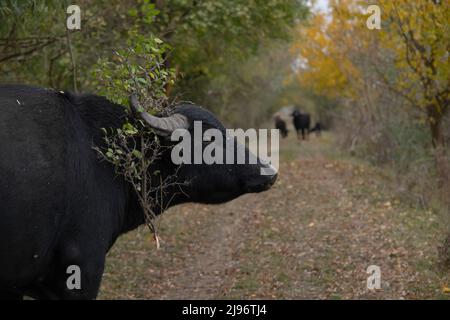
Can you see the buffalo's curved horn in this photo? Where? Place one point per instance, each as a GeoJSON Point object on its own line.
{"type": "Point", "coordinates": [164, 126]}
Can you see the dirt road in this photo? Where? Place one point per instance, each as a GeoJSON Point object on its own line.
{"type": "Point", "coordinates": [312, 236]}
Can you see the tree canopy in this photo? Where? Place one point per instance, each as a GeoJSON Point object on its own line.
{"type": "Point", "coordinates": [208, 39]}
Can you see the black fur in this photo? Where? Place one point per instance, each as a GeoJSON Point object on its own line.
{"type": "Point", "coordinates": [317, 128]}
{"type": "Point", "coordinates": [302, 123]}
{"type": "Point", "coordinates": [280, 124]}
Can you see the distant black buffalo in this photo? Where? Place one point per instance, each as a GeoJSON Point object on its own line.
{"type": "Point", "coordinates": [302, 123]}
{"type": "Point", "coordinates": [61, 208]}
{"type": "Point", "coordinates": [317, 128]}
{"type": "Point", "coordinates": [280, 124]}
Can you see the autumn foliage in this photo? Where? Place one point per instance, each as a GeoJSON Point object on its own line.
{"type": "Point", "coordinates": [409, 56]}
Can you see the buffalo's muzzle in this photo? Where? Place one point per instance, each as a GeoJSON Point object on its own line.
{"type": "Point", "coordinates": [259, 183]}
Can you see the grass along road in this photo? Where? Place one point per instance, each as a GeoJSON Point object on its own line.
{"type": "Point", "coordinates": [312, 236]}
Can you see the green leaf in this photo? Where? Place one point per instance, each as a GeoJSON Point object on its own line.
{"type": "Point", "coordinates": [132, 12]}
{"type": "Point", "coordinates": [137, 153]}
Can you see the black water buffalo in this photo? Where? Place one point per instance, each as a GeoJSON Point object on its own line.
{"type": "Point", "coordinates": [302, 123]}
{"type": "Point", "coordinates": [60, 206]}
{"type": "Point", "coordinates": [317, 129]}
{"type": "Point", "coordinates": [280, 124]}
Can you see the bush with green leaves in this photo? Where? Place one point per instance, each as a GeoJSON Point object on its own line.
{"type": "Point", "coordinates": [137, 69]}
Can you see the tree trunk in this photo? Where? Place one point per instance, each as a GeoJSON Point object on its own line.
{"type": "Point", "coordinates": [435, 121]}
{"type": "Point", "coordinates": [436, 134]}
{"type": "Point", "coordinates": [436, 117]}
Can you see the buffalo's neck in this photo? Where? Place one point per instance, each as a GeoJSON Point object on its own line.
{"type": "Point", "coordinates": [134, 215]}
